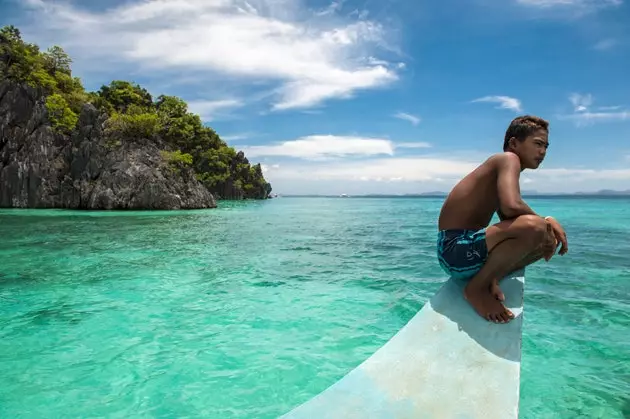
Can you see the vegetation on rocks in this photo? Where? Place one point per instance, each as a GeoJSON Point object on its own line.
{"type": "Point", "coordinates": [132, 114]}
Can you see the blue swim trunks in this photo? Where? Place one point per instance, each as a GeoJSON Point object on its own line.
{"type": "Point", "coordinates": [462, 253]}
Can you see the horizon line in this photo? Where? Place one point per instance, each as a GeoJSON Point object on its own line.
{"type": "Point", "coordinates": [601, 193]}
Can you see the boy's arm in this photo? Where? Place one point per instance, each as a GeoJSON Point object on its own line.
{"type": "Point", "coordinates": [511, 204]}
{"type": "Point", "coordinates": [502, 217]}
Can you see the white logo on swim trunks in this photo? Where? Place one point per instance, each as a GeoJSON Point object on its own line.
{"type": "Point", "coordinates": [469, 254]}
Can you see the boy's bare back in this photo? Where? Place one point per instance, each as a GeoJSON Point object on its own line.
{"type": "Point", "coordinates": [474, 200]}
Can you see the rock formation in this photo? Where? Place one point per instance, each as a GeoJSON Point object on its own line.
{"type": "Point", "coordinates": [41, 168]}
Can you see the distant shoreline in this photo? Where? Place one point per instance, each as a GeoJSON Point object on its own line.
{"type": "Point", "coordinates": [617, 195]}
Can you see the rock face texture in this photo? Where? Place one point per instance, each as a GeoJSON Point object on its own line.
{"type": "Point", "coordinates": [40, 168]}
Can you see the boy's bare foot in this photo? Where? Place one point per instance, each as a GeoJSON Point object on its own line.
{"type": "Point", "coordinates": [487, 305]}
{"type": "Point", "coordinates": [496, 291]}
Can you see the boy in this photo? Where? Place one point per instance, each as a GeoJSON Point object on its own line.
{"type": "Point", "coordinates": [470, 249]}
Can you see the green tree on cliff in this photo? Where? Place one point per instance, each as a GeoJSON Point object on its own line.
{"type": "Point", "coordinates": [50, 70]}
{"type": "Point", "coordinates": [132, 114]}
{"type": "Point", "coordinates": [56, 60]}
{"type": "Point", "coordinates": [123, 94]}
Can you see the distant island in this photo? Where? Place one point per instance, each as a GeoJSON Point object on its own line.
{"type": "Point", "coordinates": [441, 194]}
{"type": "Point", "coordinates": [116, 148]}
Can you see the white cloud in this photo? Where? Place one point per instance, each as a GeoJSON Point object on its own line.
{"type": "Point", "coordinates": [413, 145]}
{"type": "Point", "coordinates": [237, 136]}
{"type": "Point", "coordinates": [583, 115]}
{"type": "Point", "coordinates": [505, 102]}
{"type": "Point", "coordinates": [570, 3]}
{"type": "Point", "coordinates": [566, 9]}
{"type": "Point", "coordinates": [421, 174]}
{"type": "Point", "coordinates": [332, 8]}
{"type": "Point", "coordinates": [585, 118]}
{"type": "Point", "coordinates": [323, 146]}
{"type": "Point", "coordinates": [265, 168]}
{"type": "Point", "coordinates": [310, 57]}
{"type": "Point", "coordinates": [581, 102]}
{"type": "Point", "coordinates": [208, 109]}
{"type": "Point", "coordinates": [377, 169]}
{"type": "Point", "coordinates": [423, 169]}
{"type": "Point", "coordinates": [390, 174]}
{"type": "Point", "coordinates": [578, 175]}
{"type": "Point", "coordinates": [605, 44]}
{"type": "Point", "coordinates": [408, 117]}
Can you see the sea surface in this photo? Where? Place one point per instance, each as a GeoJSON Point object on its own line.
{"type": "Point", "coordinates": [248, 310]}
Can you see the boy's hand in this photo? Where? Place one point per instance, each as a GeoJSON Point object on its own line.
{"type": "Point", "coordinates": [560, 235]}
{"type": "Point", "coordinates": [550, 244]}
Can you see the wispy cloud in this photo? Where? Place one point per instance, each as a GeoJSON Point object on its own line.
{"type": "Point", "coordinates": [566, 9]}
{"type": "Point", "coordinates": [583, 115]}
{"type": "Point", "coordinates": [209, 109]}
{"type": "Point", "coordinates": [505, 102]}
{"type": "Point", "coordinates": [581, 102]}
{"type": "Point", "coordinates": [408, 117]}
{"type": "Point", "coordinates": [324, 146]}
{"type": "Point", "coordinates": [237, 136]}
{"type": "Point", "coordinates": [578, 175]}
{"type": "Point", "coordinates": [606, 44]}
{"type": "Point", "coordinates": [332, 8]}
{"type": "Point", "coordinates": [585, 118]}
{"type": "Point", "coordinates": [570, 3]}
{"type": "Point", "coordinates": [308, 57]}
{"type": "Point", "coordinates": [413, 145]}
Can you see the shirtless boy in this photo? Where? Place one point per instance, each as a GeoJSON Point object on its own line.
{"type": "Point", "coordinates": [470, 249]}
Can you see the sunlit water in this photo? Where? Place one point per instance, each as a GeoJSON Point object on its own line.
{"type": "Point", "coordinates": [248, 310]}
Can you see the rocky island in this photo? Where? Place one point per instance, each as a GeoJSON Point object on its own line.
{"type": "Point", "coordinates": [116, 148]}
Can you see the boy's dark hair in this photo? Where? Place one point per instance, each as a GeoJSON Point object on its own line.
{"type": "Point", "coordinates": [522, 126]}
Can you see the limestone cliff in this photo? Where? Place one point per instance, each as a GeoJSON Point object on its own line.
{"type": "Point", "coordinates": [42, 168]}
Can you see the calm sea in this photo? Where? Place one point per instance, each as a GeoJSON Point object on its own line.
{"type": "Point", "coordinates": [248, 310]}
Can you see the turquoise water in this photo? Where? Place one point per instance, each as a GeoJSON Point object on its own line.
{"type": "Point", "coordinates": [248, 310]}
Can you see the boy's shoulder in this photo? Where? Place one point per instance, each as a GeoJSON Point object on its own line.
{"type": "Point", "coordinates": [505, 157]}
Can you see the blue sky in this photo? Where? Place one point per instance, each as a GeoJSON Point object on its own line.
{"type": "Point", "coordinates": [389, 96]}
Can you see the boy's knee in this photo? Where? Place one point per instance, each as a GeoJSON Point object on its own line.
{"type": "Point", "coordinates": [534, 227]}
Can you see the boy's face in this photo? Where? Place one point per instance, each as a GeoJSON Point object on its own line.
{"type": "Point", "coordinates": [532, 150]}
